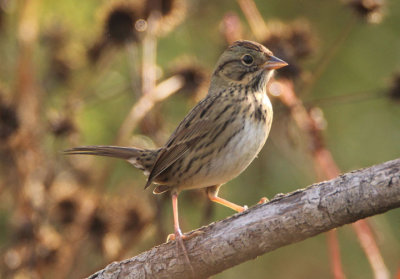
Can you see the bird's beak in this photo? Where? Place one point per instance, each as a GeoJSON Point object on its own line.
{"type": "Point", "coordinates": [274, 63]}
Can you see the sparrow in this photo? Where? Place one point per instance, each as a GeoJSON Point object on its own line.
{"type": "Point", "coordinates": [219, 137]}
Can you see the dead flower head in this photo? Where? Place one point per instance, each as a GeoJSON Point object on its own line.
{"type": "Point", "coordinates": [372, 10]}
{"type": "Point", "coordinates": [291, 42]}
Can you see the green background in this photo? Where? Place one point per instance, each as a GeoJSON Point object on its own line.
{"type": "Point", "coordinates": [359, 133]}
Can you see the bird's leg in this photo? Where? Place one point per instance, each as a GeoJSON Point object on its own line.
{"type": "Point", "coordinates": [212, 193]}
{"type": "Point", "coordinates": [178, 236]}
{"type": "Point", "coordinates": [177, 229]}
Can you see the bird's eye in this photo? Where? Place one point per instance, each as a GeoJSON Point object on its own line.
{"type": "Point", "coordinates": [247, 59]}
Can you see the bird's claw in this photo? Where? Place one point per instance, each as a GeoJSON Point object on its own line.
{"type": "Point", "coordinates": [173, 236]}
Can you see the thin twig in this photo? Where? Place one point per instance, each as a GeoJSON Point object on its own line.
{"type": "Point", "coordinates": [254, 18]}
{"type": "Point", "coordinates": [133, 56]}
{"type": "Point", "coordinates": [146, 103]}
{"type": "Point", "coordinates": [333, 246]}
{"type": "Point", "coordinates": [327, 57]}
{"type": "Point", "coordinates": [371, 249]}
{"type": "Point", "coordinates": [149, 50]}
{"type": "Point", "coordinates": [322, 158]}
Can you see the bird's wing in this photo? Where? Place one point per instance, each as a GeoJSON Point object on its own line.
{"type": "Point", "coordinates": [187, 134]}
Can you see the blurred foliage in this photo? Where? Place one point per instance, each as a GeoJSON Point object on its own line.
{"type": "Point", "coordinates": [71, 71]}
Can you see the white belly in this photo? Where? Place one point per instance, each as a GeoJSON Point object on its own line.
{"type": "Point", "coordinates": [241, 151]}
{"type": "Point", "coordinates": [237, 155]}
{"type": "Point", "coordinates": [234, 159]}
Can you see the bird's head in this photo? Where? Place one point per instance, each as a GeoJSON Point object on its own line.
{"type": "Point", "coordinates": [247, 63]}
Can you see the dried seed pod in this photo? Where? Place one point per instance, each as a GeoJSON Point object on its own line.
{"type": "Point", "coordinates": [9, 122]}
{"type": "Point", "coordinates": [195, 77]}
{"type": "Point", "coordinates": [55, 37]}
{"type": "Point", "coordinates": [119, 19]}
{"type": "Point", "coordinates": [47, 246]}
{"type": "Point", "coordinates": [61, 126]}
{"type": "Point", "coordinates": [281, 47]}
{"type": "Point", "coordinates": [24, 231]}
{"type": "Point", "coordinates": [292, 42]}
{"type": "Point", "coordinates": [127, 217]}
{"type": "Point", "coordinates": [98, 224]}
{"type": "Point", "coordinates": [133, 220]}
{"type": "Point", "coordinates": [66, 198]}
{"type": "Point", "coordinates": [119, 23]}
{"type": "Point", "coordinates": [60, 68]}
{"type": "Point", "coordinates": [152, 123]}
{"type": "Point", "coordinates": [95, 51]}
{"type": "Point", "coordinates": [372, 10]}
{"type": "Point", "coordinates": [301, 39]}
{"type": "Point", "coordinates": [172, 13]}
{"type": "Point", "coordinates": [66, 210]}
{"type": "Point", "coordinates": [394, 91]}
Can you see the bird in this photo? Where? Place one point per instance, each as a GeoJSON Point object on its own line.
{"type": "Point", "coordinates": [219, 137]}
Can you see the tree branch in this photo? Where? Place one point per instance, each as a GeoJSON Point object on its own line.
{"type": "Point", "coordinates": [284, 220]}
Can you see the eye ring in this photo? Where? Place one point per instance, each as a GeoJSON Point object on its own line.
{"type": "Point", "coordinates": [247, 59]}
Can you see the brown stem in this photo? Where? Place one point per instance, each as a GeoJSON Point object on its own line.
{"type": "Point", "coordinates": [371, 249]}
{"type": "Point", "coordinates": [254, 18]}
{"type": "Point", "coordinates": [149, 55]}
{"type": "Point", "coordinates": [162, 91]}
{"type": "Point", "coordinates": [333, 246]}
{"type": "Point", "coordinates": [326, 168]}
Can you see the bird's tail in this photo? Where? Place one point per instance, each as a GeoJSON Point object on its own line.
{"type": "Point", "coordinates": [141, 158]}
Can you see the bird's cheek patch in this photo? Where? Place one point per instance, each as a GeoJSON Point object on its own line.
{"type": "Point", "coordinates": [235, 74]}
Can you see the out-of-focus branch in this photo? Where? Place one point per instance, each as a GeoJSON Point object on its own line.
{"type": "Point", "coordinates": [327, 169]}
{"type": "Point", "coordinates": [232, 28]}
{"type": "Point", "coordinates": [369, 245]}
{"type": "Point", "coordinates": [254, 18]}
{"type": "Point", "coordinates": [149, 55]}
{"type": "Point", "coordinates": [162, 91]}
{"type": "Point", "coordinates": [285, 220]}
{"type": "Point", "coordinates": [328, 56]}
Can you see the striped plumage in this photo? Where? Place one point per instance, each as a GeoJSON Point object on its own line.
{"type": "Point", "coordinates": [237, 127]}
{"type": "Point", "coordinates": [219, 137]}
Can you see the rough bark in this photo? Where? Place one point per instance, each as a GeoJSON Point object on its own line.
{"type": "Point", "coordinates": [284, 220]}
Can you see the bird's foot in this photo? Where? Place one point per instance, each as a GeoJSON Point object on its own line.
{"type": "Point", "coordinates": [263, 200]}
{"type": "Point", "coordinates": [179, 237]}
{"type": "Point", "coordinates": [173, 236]}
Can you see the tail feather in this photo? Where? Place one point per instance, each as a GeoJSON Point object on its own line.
{"type": "Point", "coordinates": [142, 159]}
{"type": "Point", "coordinates": [125, 153]}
